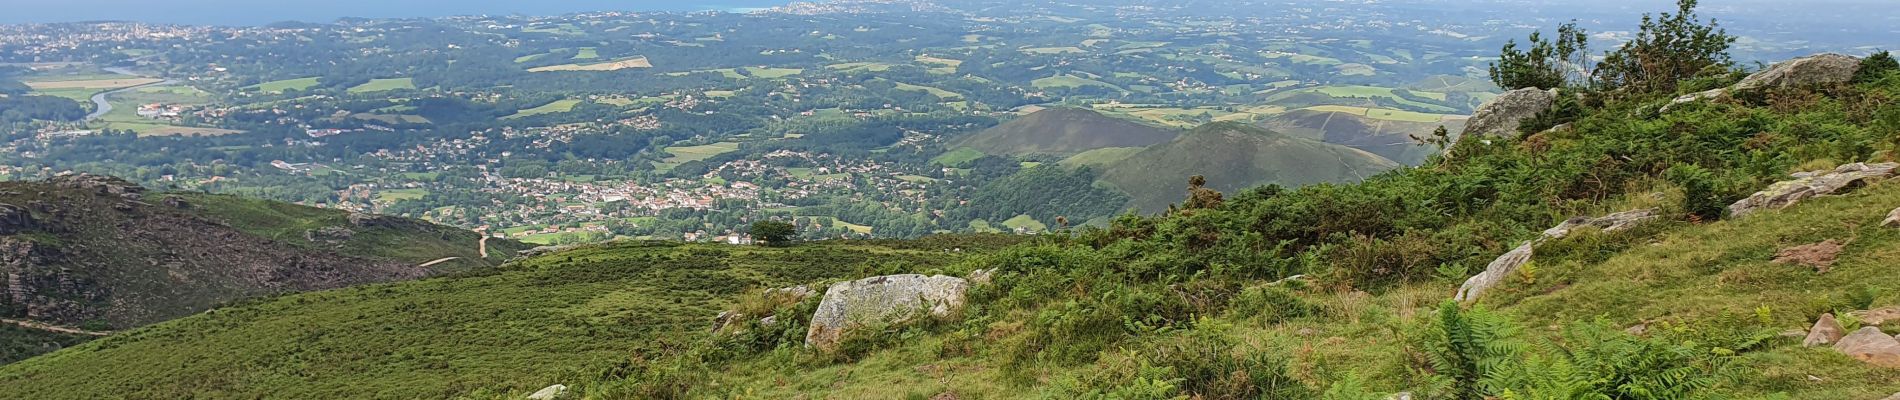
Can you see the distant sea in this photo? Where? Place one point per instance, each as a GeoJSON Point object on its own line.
{"type": "Point", "coordinates": [260, 12]}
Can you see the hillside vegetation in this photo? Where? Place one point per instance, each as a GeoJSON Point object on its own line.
{"type": "Point", "coordinates": [1386, 138]}
{"type": "Point", "coordinates": [1329, 290]}
{"type": "Point", "coordinates": [1236, 156]}
{"type": "Point", "coordinates": [101, 254]}
{"type": "Point", "coordinates": [1064, 132]}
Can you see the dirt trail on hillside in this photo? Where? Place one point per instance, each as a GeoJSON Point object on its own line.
{"type": "Point", "coordinates": [51, 328]}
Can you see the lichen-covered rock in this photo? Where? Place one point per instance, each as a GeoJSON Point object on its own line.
{"type": "Point", "coordinates": [549, 393]}
{"type": "Point", "coordinates": [1504, 265]}
{"type": "Point", "coordinates": [1819, 69]}
{"type": "Point", "coordinates": [1502, 115]}
{"type": "Point", "coordinates": [1495, 272]}
{"type": "Point", "coordinates": [1608, 223]}
{"type": "Point", "coordinates": [97, 184]}
{"type": "Point", "coordinates": [982, 276]}
{"type": "Point", "coordinates": [882, 300]}
{"type": "Point", "coordinates": [1826, 331]}
{"type": "Point", "coordinates": [1810, 184]}
{"type": "Point", "coordinates": [329, 234]}
{"type": "Point", "coordinates": [1893, 219]}
{"type": "Point", "coordinates": [1695, 97]}
{"type": "Point", "coordinates": [1869, 344]}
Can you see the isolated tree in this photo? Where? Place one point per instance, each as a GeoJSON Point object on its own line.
{"type": "Point", "coordinates": [773, 233]}
{"type": "Point", "coordinates": [1875, 66]}
{"type": "Point", "coordinates": [1440, 138]}
{"type": "Point", "coordinates": [1548, 64]}
{"type": "Point", "coordinates": [1667, 49]}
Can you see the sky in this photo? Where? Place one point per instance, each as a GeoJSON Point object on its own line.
{"type": "Point", "coordinates": [259, 12]}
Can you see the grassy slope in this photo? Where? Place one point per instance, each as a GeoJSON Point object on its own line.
{"type": "Point", "coordinates": [541, 321]}
{"type": "Point", "coordinates": [1235, 157]}
{"type": "Point", "coordinates": [1389, 139]}
{"type": "Point", "coordinates": [1065, 131]}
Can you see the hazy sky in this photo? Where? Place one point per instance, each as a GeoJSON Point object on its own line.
{"type": "Point", "coordinates": [255, 12]}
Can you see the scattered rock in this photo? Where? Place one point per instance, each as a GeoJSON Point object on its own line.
{"type": "Point", "coordinates": [982, 276]}
{"type": "Point", "coordinates": [1893, 219]}
{"type": "Point", "coordinates": [1400, 396]}
{"type": "Point", "coordinates": [1871, 345]}
{"type": "Point", "coordinates": [1306, 332]}
{"type": "Point", "coordinates": [1826, 331]}
{"type": "Point", "coordinates": [725, 319]}
{"type": "Point", "coordinates": [768, 320]}
{"type": "Point", "coordinates": [1819, 255]}
{"type": "Point", "coordinates": [549, 393]}
{"type": "Point", "coordinates": [1819, 69]}
{"type": "Point", "coordinates": [892, 299]}
{"type": "Point", "coordinates": [1695, 97]}
{"type": "Point", "coordinates": [1810, 184]}
{"type": "Point", "coordinates": [945, 396]}
{"type": "Point", "coordinates": [177, 202]}
{"type": "Point", "coordinates": [1879, 316]}
{"type": "Point", "coordinates": [792, 294]}
{"type": "Point", "coordinates": [1501, 116]}
{"type": "Point", "coordinates": [1637, 330]}
{"type": "Point", "coordinates": [1895, 396]}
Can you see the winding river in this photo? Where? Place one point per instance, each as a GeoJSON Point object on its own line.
{"type": "Point", "coordinates": [101, 106]}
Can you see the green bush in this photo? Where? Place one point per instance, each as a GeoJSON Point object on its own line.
{"type": "Point", "coordinates": [1875, 67]}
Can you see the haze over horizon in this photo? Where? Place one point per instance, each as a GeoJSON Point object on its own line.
{"type": "Point", "coordinates": [241, 12]}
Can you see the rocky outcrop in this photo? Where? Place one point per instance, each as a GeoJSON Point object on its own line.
{"type": "Point", "coordinates": [1815, 70]}
{"type": "Point", "coordinates": [1826, 331]}
{"type": "Point", "coordinates": [1806, 185]}
{"type": "Point", "coordinates": [1508, 263]}
{"type": "Point", "coordinates": [883, 300]}
{"type": "Point", "coordinates": [96, 184]}
{"type": "Point", "coordinates": [329, 234]}
{"type": "Point", "coordinates": [1871, 345]}
{"type": "Point", "coordinates": [14, 219]}
{"type": "Point", "coordinates": [1819, 69]}
{"type": "Point", "coordinates": [1502, 115]}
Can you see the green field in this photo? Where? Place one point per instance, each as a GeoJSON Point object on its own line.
{"type": "Point", "coordinates": [382, 85]}
{"type": "Point", "coordinates": [957, 157]}
{"type": "Point", "coordinates": [934, 91]}
{"type": "Point", "coordinates": [1099, 157]}
{"type": "Point", "coordinates": [1026, 223]}
{"type": "Point", "coordinates": [586, 53]}
{"type": "Point", "coordinates": [860, 67]}
{"type": "Point", "coordinates": [772, 73]}
{"type": "Point", "coordinates": [682, 154]}
{"type": "Point", "coordinates": [557, 106]}
{"type": "Point", "coordinates": [395, 195]}
{"type": "Point", "coordinates": [287, 84]}
{"type": "Point", "coordinates": [1069, 81]}
{"type": "Point", "coordinates": [1053, 50]}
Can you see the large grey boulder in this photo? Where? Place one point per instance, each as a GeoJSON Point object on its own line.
{"type": "Point", "coordinates": [1869, 344]}
{"type": "Point", "coordinates": [1508, 263]}
{"type": "Point", "coordinates": [883, 300]}
{"type": "Point", "coordinates": [1818, 69]}
{"type": "Point", "coordinates": [1809, 184]}
{"type": "Point", "coordinates": [1501, 116]}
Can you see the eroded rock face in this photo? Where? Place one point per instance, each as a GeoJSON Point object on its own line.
{"type": "Point", "coordinates": [1806, 185]}
{"type": "Point", "coordinates": [1871, 345]}
{"type": "Point", "coordinates": [1608, 223]}
{"type": "Point", "coordinates": [14, 219]}
{"type": "Point", "coordinates": [1819, 69]}
{"type": "Point", "coordinates": [97, 184]}
{"type": "Point", "coordinates": [882, 300]}
{"type": "Point", "coordinates": [1501, 116]}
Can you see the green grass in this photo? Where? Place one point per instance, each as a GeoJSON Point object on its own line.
{"type": "Point", "coordinates": [395, 195]}
{"type": "Point", "coordinates": [586, 53]}
{"type": "Point", "coordinates": [1099, 157]}
{"type": "Point", "coordinates": [934, 91]}
{"type": "Point", "coordinates": [772, 73]}
{"type": "Point", "coordinates": [1025, 222]}
{"type": "Point", "coordinates": [287, 84]}
{"type": "Point", "coordinates": [515, 329]}
{"type": "Point", "coordinates": [682, 154]}
{"type": "Point", "coordinates": [957, 157]}
{"type": "Point", "coordinates": [1069, 81]}
{"type": "Point", "coordinates": [557, 106]}
{"type": "Point", "coordinates": [383, 85]}
{"type": "Point", "coordinates": [860, 67]}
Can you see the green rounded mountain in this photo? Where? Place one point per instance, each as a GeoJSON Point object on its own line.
{"type": "Point", "coordinates": [1235, 156]}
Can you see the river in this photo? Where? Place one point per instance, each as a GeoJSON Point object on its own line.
{"type": "Point", "coordinates": [101, 106]}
